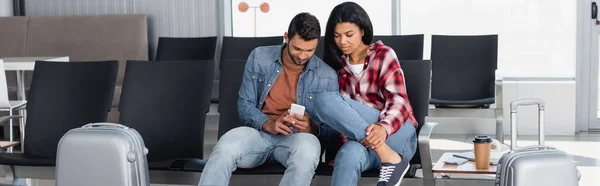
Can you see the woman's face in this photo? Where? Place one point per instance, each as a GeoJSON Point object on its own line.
{"type": "Point", "coordinates": [348, 37]}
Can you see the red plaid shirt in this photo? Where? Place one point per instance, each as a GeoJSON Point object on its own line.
{"type": "Point", "coordinates": [380, 86]}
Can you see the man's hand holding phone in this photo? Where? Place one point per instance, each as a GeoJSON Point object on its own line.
{"type": "Point", "coordinates": [299, 119]}
{"type": "Point", "coordinates": [277, 126]}
{"type": "Point", "coordinates": [295, 117]}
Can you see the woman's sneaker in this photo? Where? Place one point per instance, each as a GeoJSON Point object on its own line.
{"type": "Point", "coordinates": [392, 174]}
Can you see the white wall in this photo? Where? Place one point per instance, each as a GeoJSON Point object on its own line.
{"type": "Point", "coordinates": [558, 93]}
{"type": "Point", "coordinates": [277, 20]}
{"type": "Point", "coordinates": [536, 37]}
{"type": "Point", "coordinates": [6, 8]}
{"type": "Point", "coordinates": [559, 96]}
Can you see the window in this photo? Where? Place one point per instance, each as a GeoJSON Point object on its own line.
{"type": "Point", "coordinates": [536, 38]}
{"type": "Point", "coordinates": [276, 21]}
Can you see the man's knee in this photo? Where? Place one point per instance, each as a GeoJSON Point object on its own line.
{"type": "Point", "coordinates": [305, 147]}
{"type": "Point", "coordinates": [234, 141]}
{"type": "Point", "coordinates": [239, 132]}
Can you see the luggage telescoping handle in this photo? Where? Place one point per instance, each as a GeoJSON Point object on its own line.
{"type": "Point", "coordinates": [534, 148]}
{"type": "Point", "coordinates": [105, 124]}
{"type": "Point", "coordinates": [513, 119]}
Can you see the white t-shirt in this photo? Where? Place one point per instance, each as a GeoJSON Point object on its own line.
{"type": "Point", "coordinates": [356, 69]}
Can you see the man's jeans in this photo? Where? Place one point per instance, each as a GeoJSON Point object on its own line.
{"type": "Point", "coordinates": [246, 147]}
{"type": "Point", "coordinates": [351, 119]}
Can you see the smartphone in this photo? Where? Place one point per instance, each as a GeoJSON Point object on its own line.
{"type": "Point", "coordinates": [296, 109]}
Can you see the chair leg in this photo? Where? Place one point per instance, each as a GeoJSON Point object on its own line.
{"type": "Point", "coordinates": [425, 152]}
{"type": "Point", "coordinates": [499, 126]}
{"type": "Point", "coordinates": [22, 119]}
{"type": "Point", "coordinates": [10, 130]}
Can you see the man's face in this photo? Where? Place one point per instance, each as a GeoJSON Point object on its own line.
{"type": "Point", "coordinates": [301, 50]}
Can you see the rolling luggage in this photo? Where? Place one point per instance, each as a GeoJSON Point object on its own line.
{"type": "Point", "coordinates": [534, 165]}
{"type": "Point", "coordinates": [102, 154]}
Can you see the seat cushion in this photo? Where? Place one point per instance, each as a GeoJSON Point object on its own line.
{"type": "Point", "coordinates": [461, 103]}
{"type": "Point", "coordinates": [176, 165]}
{"type": "Point", "coordinates": [326, 170]}
{"type": "Point", "coordinates": [197, 165]}
{"type": "Point", "coordinates": [24, 160]}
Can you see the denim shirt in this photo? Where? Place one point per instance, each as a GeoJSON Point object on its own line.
{"type": "Point", "coordinates": [262, 69]}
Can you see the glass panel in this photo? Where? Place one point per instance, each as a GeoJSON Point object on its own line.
{"type": "Point", "coordinates": [273, 19]}
{"type": "Point", "coordinates": [532, 35]}
{"type": "Point", "coordinates": [597, 57]}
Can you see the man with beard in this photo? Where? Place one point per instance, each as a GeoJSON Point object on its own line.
{"type": "Point", "coordinates": [274, 78]}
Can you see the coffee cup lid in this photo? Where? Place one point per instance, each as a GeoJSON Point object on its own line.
{"type": "Point", "coordinates": [482, 139]}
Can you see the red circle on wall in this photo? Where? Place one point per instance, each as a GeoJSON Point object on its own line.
{"type": "Point", "coordinates": [264, 7]}
{"type": "Point", "coordinates": [243, 6]}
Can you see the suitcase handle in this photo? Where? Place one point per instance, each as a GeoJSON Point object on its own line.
{"type": "Point", "coordinates": [534, 148]}
{"type": "Point", "coordinates": [525, 102]}
{"type": "Point", "coordinates": [513, 119]}
{"type": "Point", "coordinates": [105, 125]}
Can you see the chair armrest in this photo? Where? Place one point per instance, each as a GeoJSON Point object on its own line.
{"type": "Point", "coordinates": [425, 149]}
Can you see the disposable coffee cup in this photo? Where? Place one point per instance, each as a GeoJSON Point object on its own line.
{"type": "Point", "coordinates": [483, 146]}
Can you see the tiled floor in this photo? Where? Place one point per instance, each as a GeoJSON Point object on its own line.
{"type": "Point", "coordinates": [584, 148]}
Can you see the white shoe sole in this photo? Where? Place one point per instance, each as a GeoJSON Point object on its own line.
{"type": "Point", "coordinates": [403, 174]}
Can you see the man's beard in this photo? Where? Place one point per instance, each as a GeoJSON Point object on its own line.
{"type": "Point", "coordinates": [292, 57]}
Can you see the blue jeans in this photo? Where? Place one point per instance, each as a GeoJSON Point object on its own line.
{"type": "Point", "coordinates": [351, 119]}
{"type": "Point", "coordinates": [246, 147]}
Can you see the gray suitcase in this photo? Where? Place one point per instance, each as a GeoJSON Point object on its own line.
{"type": "Point", "coordinates": [102, 154]}
{"type": "Point", "coordinates": [534, 165]}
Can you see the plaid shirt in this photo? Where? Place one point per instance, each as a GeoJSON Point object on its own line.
{"type": "Point", "coordinates": [380, 86]}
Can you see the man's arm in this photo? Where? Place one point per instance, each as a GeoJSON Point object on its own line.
{"type": "Point", "coordinates": [249, 114]}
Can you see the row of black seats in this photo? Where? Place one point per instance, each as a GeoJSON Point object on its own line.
{"type": "Point", "coordinates": [156, 96]}
{"type": "Point", "coordinates": [463, 66]}
{"type": "Point", "coordinates": [165, 101]}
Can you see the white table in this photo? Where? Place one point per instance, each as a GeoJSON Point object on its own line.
{"type": "Point", "coordinates": [21, 64]}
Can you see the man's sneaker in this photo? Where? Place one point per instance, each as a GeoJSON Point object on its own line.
{"type": "Point", "coordinates": [392, 174]}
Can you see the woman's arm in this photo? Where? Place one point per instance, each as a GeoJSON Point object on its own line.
{"type": "Point", "coordinates": [397, 108]}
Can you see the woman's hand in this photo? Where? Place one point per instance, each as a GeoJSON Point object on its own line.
{"type": "Point", "coordinates": [376, 135]}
